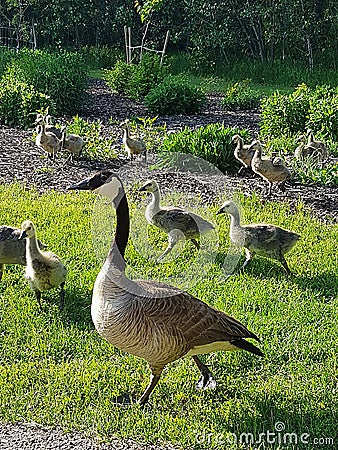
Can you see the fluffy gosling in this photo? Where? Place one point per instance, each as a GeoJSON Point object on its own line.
{"type": "Point", "coordinates": [44, 270]}
{"type": "Point", "coordinates": [262, 239]}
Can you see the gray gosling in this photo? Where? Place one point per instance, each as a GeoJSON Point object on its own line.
{"type": "Point", "coordinates": [308, 148]}
{"type": "Point", "coordinates": [243, 152]}
{"type": "Point", "coordinates": [176, 222]}
{"type": "Point", "coordinates": [73, 143]}
{"type": "Point", "coordinates": [132, 146]}
{"type": "Point", "coordinates": [47, 141]}
{"type": "Point", "coordinates": [12, 250]}
{"type": "Point", "coordinates": [48, 126]}
{"type": "Point", "coordinates": [262, 239]}
{"type": "Point", "coordinates": [271, 169]}
{"type": "Point", "coordinates": [153, 320]}
{"type": "Point", "coordinates": [44, 270]}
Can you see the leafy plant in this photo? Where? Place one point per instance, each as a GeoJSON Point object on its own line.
{"type": "Point", "coordinates": [62, 76]}
{"type": "Point", "coordinates": [175, 96]}
{"type": "Point", "coordinates": [241, 96]}
{"type": "Point", "coordinates": [103, 57]}
{"type": "Point", "coordinates": [97, 146]}
{"type": "Point", "coordinates": [308, 171]}
{"type": "Point", "coordinates": [135, 80]}
{"type": "Point", "coordinates": [304, 108]}
{"type": "Point", "coordinates": [19, 101]}
{"type": "Point", "coordinates": [212, 143]}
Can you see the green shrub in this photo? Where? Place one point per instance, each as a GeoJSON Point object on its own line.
{"type": "Point", "coordinates": [212, 143]}
{"type": "Point", "coordinates": [135, 80]}
{"type": "Point", "coordinates": [304, 108]}
{"type": "Point", "coordinates": [241, 96]}
{"type": "Point", "coordinates": [307, 171]}
{"type": "Point", "coordinates": [5, 57]}
{"type": "Point", "coordinates": [323, 112]}
{"type": "Point", "coordinates": [62, 76]}
{"type": "Point", "coordinates": [103, 57]}
{"type": "Point", "coordinates": [285, 114]}
{"type": "Point", "coordinates": [97, 146]}
{"type": "Point", "coordinates": [19, 101]}
{"type": "Point", "coordinates": [175, 96]}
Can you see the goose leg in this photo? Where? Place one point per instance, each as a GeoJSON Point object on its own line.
{"type": "Point", "coordinates": [206, 380]}
{"type": "Point", "coordinates": [2, 268]}
{"type": "Point", "coordinates": [196, 243]}
{"type": "Point", "coordinates": [154, 377]}
{"type": "Point", "coordinates": [247, 261]}
{"type": "Point", "coordinates": [62, 296]}
{"type": "Point", "coordinates": [284, 264]}
{"type": "Point", "coordinates": [269, 190]}
{"type": "Point", "coordinates": [173, 239]}
{"type": "Point", "coordinates": [38, 297]}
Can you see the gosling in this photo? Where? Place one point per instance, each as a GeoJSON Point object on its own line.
{"type": "Point", "coordinates": [44, 270]}
{"type": "Point", "coordinates": [271, 169]}
{"type": "Point", "coordinates": [243, 152]}
{"type": "Point", "coordinates": [177, 222]}
{"type": "Point", "coordinates": [12, 250]}
{"type": "Point", "coordinates": [262, 239]}
{"type": "Point", "coordinates": [132, 146]}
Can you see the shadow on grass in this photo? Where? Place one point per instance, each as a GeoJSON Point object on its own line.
{"type": "Point", "coordinates": [325, 283]}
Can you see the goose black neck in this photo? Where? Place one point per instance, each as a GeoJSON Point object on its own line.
{"type": "Point", "coordinates": [120, 241]}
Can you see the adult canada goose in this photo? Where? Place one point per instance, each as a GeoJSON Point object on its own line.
{"type": "Point", "coordinates": [272, 169]}
{"type": "Point", "coordinates": [12, 249]}
{"type": "Point", "coordinates": [132, 146]}
{"type": "Point", "coordinates": [243, 152]}
{"type": "Point", "coordinates": [152, 320]}
{"type": "Point", "coordinates": [262, 239]}
{"type": "Point", "coordinates": [177, 222]}
{"type": "Point", "coordinates": [44, 270]}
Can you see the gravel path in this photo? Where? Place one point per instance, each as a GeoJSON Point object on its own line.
{"type": "Point", "coordinates": [32, 436]}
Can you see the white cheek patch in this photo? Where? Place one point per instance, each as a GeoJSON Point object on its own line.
{"type": "Point", "coordinates": [110, 190]}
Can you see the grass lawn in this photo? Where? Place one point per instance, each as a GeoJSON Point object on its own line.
{"type": "Point", "coordinates": [55, 369]}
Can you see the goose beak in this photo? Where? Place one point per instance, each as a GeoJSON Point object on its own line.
{"type": "Point", "coordinates": [142, 189]}
{"type": "Point", "coordinates": [81, 186]}
{"type": "Point", "coordinates": [23, 235]}
{"type": "Point", "coordinates": [220, 211]}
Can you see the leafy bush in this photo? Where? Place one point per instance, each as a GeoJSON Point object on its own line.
{"type": "Point", "coordinates": [307, 171]}
{"type": "Point", "coordinates": [19, 101]}
{"type": "Point", "coordinates": [241, 96]}
{"type": "Point", "coordinates": [323, 112]}
{"type": "Point", "coordinates": [97, 146]}
{"type": "Point", "coordinates": [5, 57]}
{"type": "Point", "coordinates": [135, 80]}
{"type": "Point", "coordinates": [285, 114]}
{"type": "Point", "coordinates": [103, 57]}
{"type": "Point", "coordinates": [304, 108]}
{"type": "Point", "coordinates": [62, 76]}
{"type": "Point", "coordinates": [212, 143]}
{"type": "Point", "coordinates": [175, 96]}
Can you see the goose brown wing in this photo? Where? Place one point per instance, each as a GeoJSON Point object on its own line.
{"type": "Point", "coordinates": [260, 232]}
{"type": "Point", "coordinates": [193, 320]}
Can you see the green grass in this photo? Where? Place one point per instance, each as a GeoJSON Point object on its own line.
{"type": "Point", "coordinates": [55, 369]}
